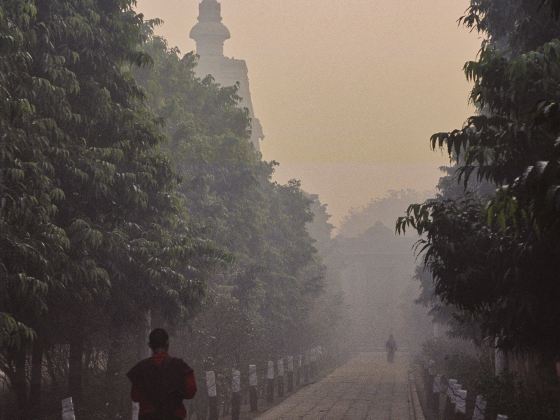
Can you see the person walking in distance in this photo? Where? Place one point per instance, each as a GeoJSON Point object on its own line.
{"type": "Point", "coordinates": [391, 347]}
{"type": "Point", "coordinates": [161, 382]}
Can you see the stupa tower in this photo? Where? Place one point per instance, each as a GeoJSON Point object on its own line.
{"type": "Point", "coordinates": [210, 35]}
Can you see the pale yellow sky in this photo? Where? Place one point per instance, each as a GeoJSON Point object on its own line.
{"type": "Point", "coordinates": [348, 91]}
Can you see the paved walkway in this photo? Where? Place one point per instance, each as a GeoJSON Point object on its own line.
{"type": "Point", "coordinates": [367, 387]}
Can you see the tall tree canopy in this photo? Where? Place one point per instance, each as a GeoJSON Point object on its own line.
{"type": "Point", "coordinates": [231, 198]}
{"type": "Point", "coordinates": [497, 259]}
{"type": "Point", "coordinates": [91, 222]}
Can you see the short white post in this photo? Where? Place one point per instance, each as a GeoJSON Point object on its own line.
{"type": "Point", "coordinates": [212, 395]}
{"type": "Point", "coordinates": [68, 409]}
{"type": "Point", "coordinates": [499, 359]}
{"type": "Point", "coordinates": [313, 357]}
{"type": "Point", "coordinates": [456, 388]}
{"type": "Point", "coordinates": [479, 408]}
{"type": "Point", "coordinates": [437, 389]}
{"type": "Point", "coordinates": [280, 379]}
{"type": "Point", "coordinates": [461, 404]}
{"type": "Point", "coordinates": [450, 402]}
{"type": "Point", "coordinates": [270, 382]}
{"type": "Point", "coordinates": [431, 367]}
{"type": "Point", "coordinates": [290, 373]}
{"type": "Point", "coordinates": [135, 410]}
{"type": "Point", "coordinates": [299, 366]}
{"type": "Point", "coordinates": [253, 392]}
{"type": "Point", "coordinates": [235, 394]}
{"type": "Point", "coordinates": [306, 366]}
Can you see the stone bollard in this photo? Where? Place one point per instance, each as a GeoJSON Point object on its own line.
{"type": "Point", "coordinates": [306, 368]}
{"type": "Point", "coordinates": [500, 361]}
{"type": "Point", "coordinates": [479, 412]}
{"type": "Point", "coordinates": [455, 396]}
{"type": "Point", "coordinates": [212, 395]}
{"type": "Point", "coordinates": [135, 410]}
{"type": "Point", "coordinates": [313, 363]}
{"type": "Point", "coordinates": [449, 411]}
{"type": "Point", "coordinates": [299, 367]}
{"type": "Point", "coordinates": [235, 394]}
{"type": "Point", "coordinates": [429, 382]}
{"type": "Point", "coordinates": [461, 405]}
{"type": "Point", "coordinates": [68, 409]}
{"type": "Point", "coordinates": [437, 389]}
{"type": "Point", "coordinates": [280, 378]}
{"type": "Point", "coordinates": [290, 374]}
{"type": "Point", "coordinates": [270, 382]}
{"type": "Point", "coordinates": [253, 391]}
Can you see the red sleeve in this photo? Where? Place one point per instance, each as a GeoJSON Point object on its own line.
{"type": "Point", "coordinates": [135, 394]}
{"type": "Point", "coordinates": [190, 386]}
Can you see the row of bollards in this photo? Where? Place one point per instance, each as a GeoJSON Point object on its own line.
{"type": "Point", "coordinates": [298, 370]}
{"type": "Point", "coordinates": [280, 378]}
{"type": "Point", "coordinates": [449, 401]}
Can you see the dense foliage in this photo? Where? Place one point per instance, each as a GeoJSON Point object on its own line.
{"type": "Point", "coordinates": [275, 272]}
{"type": "Point", "coordinates": [102, 235]}
{"type": "Point", "coordinates": [495, 259]}
{"type": "Point", "coordinates": [131, 197]}
{"type": "Point", "coordinates": [89, 209]}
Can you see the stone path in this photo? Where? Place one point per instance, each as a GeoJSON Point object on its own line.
{"type": "Point", "coordinates": [367, 387]}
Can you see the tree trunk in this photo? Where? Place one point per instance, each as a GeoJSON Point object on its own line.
{"type": "Point", "coordinates": [36, 379]}
{"type": "Point", "coordinates": [51, 370]}
{"type": "Point", "coordinates": [115, 369]}
{"type": "Point", "coordinates": [20, 385]}
{"type": "Point", "coordinates": [144, 329]}
{"type": "Point", "coordinates": [75, 368]}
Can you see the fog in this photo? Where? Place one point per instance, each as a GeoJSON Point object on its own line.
{"type": "Point", "coordinates": [387, 63]}
{"type": "Point", "coordinates": [279, 209]}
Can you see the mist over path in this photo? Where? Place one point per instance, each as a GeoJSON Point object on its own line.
{"type": "Point", "coordinates": [366, 387]}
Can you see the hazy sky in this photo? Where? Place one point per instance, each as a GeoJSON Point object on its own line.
{"type": "Point", "coordinates": [348, 91]}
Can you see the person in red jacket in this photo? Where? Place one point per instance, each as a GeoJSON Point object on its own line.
{"type": "Point", "coordinates": [161, 382]}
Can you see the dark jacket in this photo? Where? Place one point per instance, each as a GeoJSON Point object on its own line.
{"type": "Point", "coordinates": [160, 384]}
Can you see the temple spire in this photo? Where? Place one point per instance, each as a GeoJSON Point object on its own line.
{"type": "Point", "coordinates": [210, 33]}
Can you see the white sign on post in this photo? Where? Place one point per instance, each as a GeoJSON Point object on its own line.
{"type": "Point", "coordinates": [479, 408]}
{"type": "Point", "coordinates": [280, 367]}
{"type": "Point", "coordinates": [135, 410]}
{"type": "Point", "coordinates": [236, 381]}
{"type": "Point", "coordinates": [253, 375]}
{"type": "Point", "coordinates": [290, 363]}
{"type": "Point", "coordinates": [270, 370]}
{"type": "Point", "coordinates": [211, 383]}
{"type": "Point", "coordinates": [68, 409]}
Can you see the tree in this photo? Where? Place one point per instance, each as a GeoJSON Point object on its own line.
{"type": "Point", "coordinates": [497, 259]}
{"type": "Point", "coordinates": [274, 274]}
{"type": "Point", "coordinates": [93, 231]}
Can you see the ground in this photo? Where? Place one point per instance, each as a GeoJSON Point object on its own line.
{"type": "Point", "coordinates": [366, 387]}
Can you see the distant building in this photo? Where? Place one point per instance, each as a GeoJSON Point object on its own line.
{"type": "Point", "coordinates": [210, 34]}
